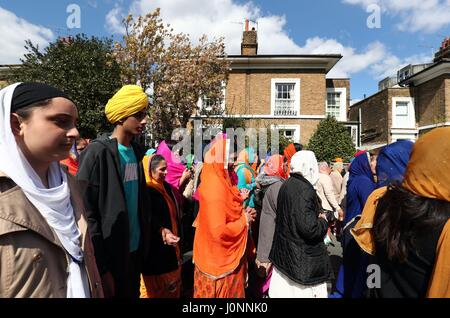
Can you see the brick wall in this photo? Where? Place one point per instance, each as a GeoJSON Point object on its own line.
{"type": "Point", "coordinates": [307, 126]}
{"type": "Point", "coordinates": [249, 92]}
{"type": "Point", "coordinates": [374, 113]}
{"type": "Point", "coordinates": [430, 101]}
{"type": "Point", "coordinates": [447, 98]}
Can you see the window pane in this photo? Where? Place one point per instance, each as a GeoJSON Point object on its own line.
{"type": "Point", "coordinates": [334, 104]}
{"type": "Point", "coordinates": [402, 109]}
{"type": "Point", "coordinates": [285, 99]}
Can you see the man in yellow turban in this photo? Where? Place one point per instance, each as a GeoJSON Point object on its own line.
{"type": "Point", "coordinates": [111, 171]}
{"type": "Point", "coordinates": [129, 100]}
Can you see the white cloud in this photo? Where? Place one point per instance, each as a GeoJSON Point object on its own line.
{"type": "Point", "coordinates": [113, 21]}
{"type": "Point", "coordinates": [223, 18]}
{"type": "Point", "coordinates": [415, 15]}
{"type": "Point", "coordinates": [14, 31]}
{"type": "Point", "coordinates": [352, 61]}
{"type": "Point", "coordinates": [390, 64]}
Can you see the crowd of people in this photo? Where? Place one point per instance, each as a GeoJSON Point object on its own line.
{"type": "Point", "coordinates": [104, 218]}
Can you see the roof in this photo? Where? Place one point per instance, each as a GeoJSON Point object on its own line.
{"type": "Point", "coordinates": [435, 70]}
{"type": "Point", "coordinates": [311, 61]}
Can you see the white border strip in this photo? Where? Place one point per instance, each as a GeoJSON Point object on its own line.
{"type": "Point", "coordinates": [434, 126]}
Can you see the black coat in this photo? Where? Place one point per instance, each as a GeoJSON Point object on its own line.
{"type": "Point", "coordinates": [298, 250]}
{"type": "Point", "coordinates": [158, 257]}
{"type": "Point", "coordinates": [106, 209]}
{"type": "Point", "coordinates": [409, 279]}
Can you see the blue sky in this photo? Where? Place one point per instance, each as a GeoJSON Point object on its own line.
{"type": "Point", "coordinates": [410, 29]}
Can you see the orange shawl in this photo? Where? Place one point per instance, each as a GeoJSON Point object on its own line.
{"type": "Point", "coordinates": [221, 226]}
{"type": "Point", "coordinates": [439, 286]}
{"type": "Point", "coordinates": [363, 230]}
{"type": "Point", "coordinates": [159, 186]}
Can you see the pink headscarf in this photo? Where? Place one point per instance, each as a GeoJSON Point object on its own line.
{"type": "Point", "coordinates": [175, 168]}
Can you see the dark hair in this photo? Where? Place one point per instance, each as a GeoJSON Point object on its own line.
{"type": "Point", "coordinates": [26, 112]}
{"type": "Point", "coordinates": [155, 161]}
{"type": "Point", "coordinates": [402, 216]}
{"type": "Point", "coordinates": [298, 147]}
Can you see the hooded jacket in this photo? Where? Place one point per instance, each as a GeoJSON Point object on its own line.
{"type": "Point", "coordinates": [106, 209]}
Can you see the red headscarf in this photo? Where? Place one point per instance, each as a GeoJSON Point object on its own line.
{"type": "Point", "coordinates": [274, 167]}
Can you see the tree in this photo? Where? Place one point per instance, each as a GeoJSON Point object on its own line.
{"type": "Point", "coordinates": [82, 67]}
{"type": "Point", "coordinates": [176, 72]}
{"type": "Point", "coordinates": [142, 49]}
{"type": "Point", "coordinates": [330, 140]}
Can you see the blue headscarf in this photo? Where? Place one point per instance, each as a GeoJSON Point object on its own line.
{"type": "Point", "coordinates": [360, 186]}
{"type": "Point", "coordinates": [351, 280]}
{"type": "Point", "coordinates": [392, 161]}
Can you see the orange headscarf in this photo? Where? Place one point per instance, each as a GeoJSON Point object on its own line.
{"type": "Point", "coordinates": [221, 226]}
{"type": "Point", "coordinates": [289, 152]}
{"type": "Point", "coordinates": [427, 172]}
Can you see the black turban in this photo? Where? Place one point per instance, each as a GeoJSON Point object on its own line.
{"type": "Point", "coordinates": [26, 94]}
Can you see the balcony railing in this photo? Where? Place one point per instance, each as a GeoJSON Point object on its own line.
{"type": "Point", "coordinates": [285, 107]}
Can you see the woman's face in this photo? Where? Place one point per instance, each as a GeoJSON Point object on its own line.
{"type": "Point", "coordinates": [159, 174]}
{"type": "Point", "coordinates": [49, 132]}
{"type": "Point", "coordinates": [373, 164]}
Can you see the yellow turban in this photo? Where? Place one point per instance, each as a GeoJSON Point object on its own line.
{"type": "Point", "coordinates": [129, 100]}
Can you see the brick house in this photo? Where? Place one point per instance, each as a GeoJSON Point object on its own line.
{"type": "Point", "coordinates": [383, 119]}
{"type": "Point", "coordinates": [287, 92]}
{"type": "Point", "coordinates": [418, 101]}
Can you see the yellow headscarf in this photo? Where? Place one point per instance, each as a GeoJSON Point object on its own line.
{"type": "Point", "coordinates": [129, 100]}
{"type": "Point", "coordinates": [427, 172]}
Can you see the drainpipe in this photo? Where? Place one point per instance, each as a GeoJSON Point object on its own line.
{"type": "Point", "coordinates": [359, 127]}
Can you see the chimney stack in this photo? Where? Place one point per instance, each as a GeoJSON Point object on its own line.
{"type": "Point", "coordinates": [249, 45]}
{"type": "Point", "coordinates": [444, 51]}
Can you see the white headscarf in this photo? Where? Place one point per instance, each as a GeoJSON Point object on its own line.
{"type": "Point", "coordinates": [53, 203]}
{"type": "Point", "coordinates": [305, 162]}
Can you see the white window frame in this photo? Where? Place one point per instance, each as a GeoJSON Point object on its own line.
{"type": "Point", "coordinates": [295, 128]}
{"type": "Point", "coordinates": [411, 113]}
{"type": "Point", "coordinates": [343, 102]}
{"type": "Point", "coordinates": [296, 82]}
{"type": "Point", "coordinates": [222, 104]}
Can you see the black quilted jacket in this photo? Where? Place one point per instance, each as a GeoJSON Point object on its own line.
{"type": "Point", "coordinates": [298, 250]}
